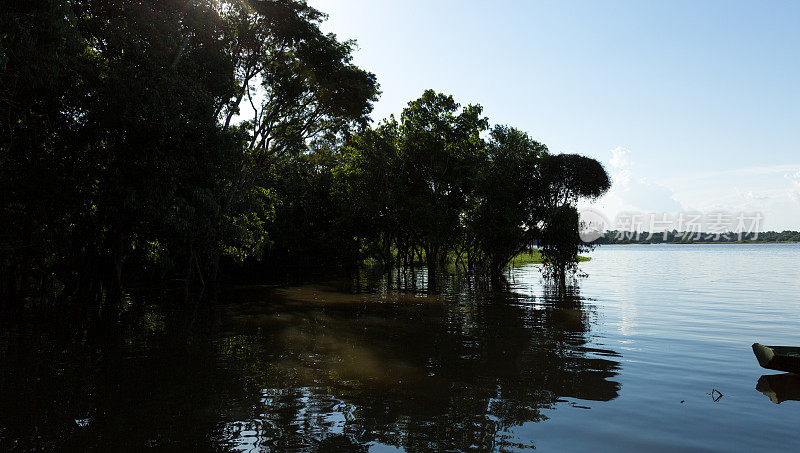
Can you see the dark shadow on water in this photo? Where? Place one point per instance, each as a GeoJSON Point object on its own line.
{"type": "Point", "coordinates": [342, 364]}
{"type": "Point", "coordinates": [780, 387]}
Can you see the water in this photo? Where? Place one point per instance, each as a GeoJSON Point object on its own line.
{"type": "Point", "coordinates": [651, 352]}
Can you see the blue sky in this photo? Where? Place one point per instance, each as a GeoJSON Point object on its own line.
{"type": "Point", "coordinates": [691, 105]}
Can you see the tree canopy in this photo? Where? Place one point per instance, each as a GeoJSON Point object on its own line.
{"type": "Point", "coordinates": [432, 186]}
{"type": "Point", "coordinates": [151, 140]}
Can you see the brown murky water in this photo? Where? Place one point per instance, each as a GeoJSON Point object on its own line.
{"type": "Point", "coordinates": [626, 361]}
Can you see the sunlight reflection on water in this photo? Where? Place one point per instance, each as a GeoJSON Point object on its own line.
{"type": "Point", "coordinates": [630, 360]}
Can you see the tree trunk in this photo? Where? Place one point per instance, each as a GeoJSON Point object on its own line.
{"type": "Point", "coordinates": [431, 258]}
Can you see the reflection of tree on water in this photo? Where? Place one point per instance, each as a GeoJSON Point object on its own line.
{"type": "Point", "coordinates": [308, 367]}
{"type": "Point", "coordinates": [449, 371]}
{"type": "Point", "coordinates": [153, 383]}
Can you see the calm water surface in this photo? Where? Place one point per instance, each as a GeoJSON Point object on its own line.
{"type": "Point", "coordinates": [651, 352]}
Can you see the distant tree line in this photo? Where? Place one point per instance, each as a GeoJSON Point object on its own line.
{"type": "Point", "coordinates": [682, 237]}
{"type": "Point", "coordinates": [149, 140]}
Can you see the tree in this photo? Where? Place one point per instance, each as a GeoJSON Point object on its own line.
{"type": "Point", "coordinates": [439, 149]}
{"type": "Point", "coordinates": [311, 227]}
{"type": "Point", "coordinates": [38, 97]}
{"type": "Point", "coordinates": [150, 138]}
{"type": "Point", "coordinates": [502, 217]}
{"type": "Point", "coordinates": [116, 104]}
{"type": "Point", "coordinates": [293, 85]}
{"type": "Point", "coordinates": [566, 178]}
{"type": "Point", "coordinates": [126, 140]}
{"type": "Point", "coordinates": [373, 193]}
{"type": "Point", "coordinates": [160, 69]}
{"type": "Point", "coordinates": [431, 183]}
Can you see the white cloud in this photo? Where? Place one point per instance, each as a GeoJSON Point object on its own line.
{"type": "Point", "coordinates": [794, 189]}
{"type": "Point", "coordinates": [650, 197]}
{"type": "Point", "coordinates": [623, 177]}
{"type": "Point", "coordinates": [773, 190]}
{"type": "Point", "coordinates": [619, 158]}
{"type": "Point", "coordinates": [631, 193]}
{"type": "Point", "coordinates": [768, 170]}
{"type": "Point", "coordinates": [763, 189]}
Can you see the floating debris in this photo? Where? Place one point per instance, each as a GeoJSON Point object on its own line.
{"type": "Point", "coordinates": [715, 394]}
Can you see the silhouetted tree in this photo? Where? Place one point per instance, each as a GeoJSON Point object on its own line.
{"type": "Point", "coordinates": [566, 179]}
{"type": "Point", "coordinates": [502, 218]}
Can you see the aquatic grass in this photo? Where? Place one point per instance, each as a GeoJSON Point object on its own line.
{"type": "Point", "coordinates": [535, 257]}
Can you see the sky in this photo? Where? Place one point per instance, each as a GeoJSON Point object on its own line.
{"type": "Point", "coordinates": [690, 105]}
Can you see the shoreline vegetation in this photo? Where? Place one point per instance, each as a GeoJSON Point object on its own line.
{"type": "Point", "coordinates": [615, 237]}
{"type": "Point", "coordinates": [237, 138]}
{"type": "Point", "coordinates": [533, 256]}
{"type": "Point", "coordinates": [702, 243]}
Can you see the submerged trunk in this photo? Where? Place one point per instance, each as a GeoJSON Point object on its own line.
{"type": "Point", "coordinates": [114, 291]}
{"type": "Point", "coordinates": [386, 251]}
{"type": "Point", "coordinates": [431, 259]}
{"type": "Point", "coordinates": [495, 269]}
{"type": "Point", "coordinates": [561, 276]}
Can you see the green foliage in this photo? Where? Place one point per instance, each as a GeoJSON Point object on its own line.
{"type": "Point", "coordinates": [123, 145]}
{"type": "Point", "coordinates": [560, 243]}
{"type": "Point", "coordinates": [503, 219]}
{"type": "Point", "coordinates": [299, 87]}
{"type": "Point", "coordinates": [524, 258]}
{"type": "Point", "coordinates": [430, 186]}
{"type": "Point", "coordinates": [155, 139]}
{"type": "Point", "coordinates": [368, 180]}
{"type": "Point", "coordinates": [569, 177]}
{"type": "Point", "coordinates": [565, 179]}
{"type": "Point", "coordinates": [311, 227]}
{"type": "Point", "coordinates": [243, 236]}
{"type": "Point", "coordinates": [439, 149]}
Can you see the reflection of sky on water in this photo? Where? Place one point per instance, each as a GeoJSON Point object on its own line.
{"type": "Point", "coordinates": [626, 362]}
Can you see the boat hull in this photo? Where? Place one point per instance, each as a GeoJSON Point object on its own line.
{"type": "Point", "coordinates": [779, 358]}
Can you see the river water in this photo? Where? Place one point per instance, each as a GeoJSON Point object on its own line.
{"type": "Point", "coordinates": [651, 351]}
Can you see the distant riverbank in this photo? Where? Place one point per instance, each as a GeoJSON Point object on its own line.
{"type": "Point", "coordinates": [692, 237]}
